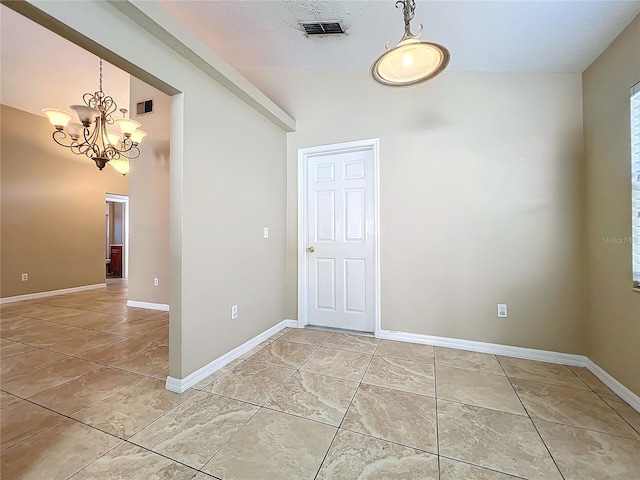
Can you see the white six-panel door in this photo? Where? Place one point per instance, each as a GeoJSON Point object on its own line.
{"type": "Point", "coordinates": [340, 239]}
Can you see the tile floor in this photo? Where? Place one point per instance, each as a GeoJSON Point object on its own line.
{"type": "Point", "coordinates": [83, 397]}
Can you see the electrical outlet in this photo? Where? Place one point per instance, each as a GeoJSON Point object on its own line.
{"type": "Point", "coordinates": [156, 282]}
{"type": "Point", "coordinates": [502, 310]}
{"type": "Point", "coordinates": [266, 232]}
{"type": "Point", "coordinates": [25, 277]}
{"type": "Point", "coordinates": [234, 312]}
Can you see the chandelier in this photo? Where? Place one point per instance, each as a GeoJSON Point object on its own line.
{"type": "Point", "coordinates": [410, 61]}
{"type": "Point", "coordinates": [92, 136]}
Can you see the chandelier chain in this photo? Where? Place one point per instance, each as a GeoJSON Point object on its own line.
{"type": "Point", "coordinates": [101, 75]}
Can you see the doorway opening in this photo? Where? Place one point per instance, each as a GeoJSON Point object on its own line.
{"type": "Point", "coordinates": [116, 236]}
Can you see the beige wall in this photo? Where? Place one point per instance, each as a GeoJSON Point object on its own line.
{"type": "Point", "coordinates": [613, 309]}
{"type": "Point", "coordinates": [149, 204]}
{"type": "Point", "coordinates": [227, 181]}
{"type": "Point", "coordinates": [53, 209]}
{"type": "Point", "coordinates": [480, 197]}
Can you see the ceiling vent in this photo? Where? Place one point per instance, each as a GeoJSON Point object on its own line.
{"type": "Point", "coordinates": [322, 28]}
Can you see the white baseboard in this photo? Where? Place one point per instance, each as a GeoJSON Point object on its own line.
{"type": "Point", "coordinates": [623, 392]}
{"type": "Point", "coordinates": [519, 352]}
{"type": "Point", "coordinates": [51, 293]}
{"type": "Point", "coordinates": [181, 385]}
{"type": "Point", "coordinates": [483, 347]}
{"type": "Point", "coordinates": [150, 306]}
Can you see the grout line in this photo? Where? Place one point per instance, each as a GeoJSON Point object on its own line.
{"type": "Point", "coordinates": [355, 392]}
{"type": "Point", "coordinates": [435, 393]}
{"type": "Point", "coordinates": [531, 420]}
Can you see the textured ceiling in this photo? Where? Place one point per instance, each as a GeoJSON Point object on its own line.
{"type": "Point", "coordinates": [493, 36]}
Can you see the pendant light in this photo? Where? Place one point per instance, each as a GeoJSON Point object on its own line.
{"type": "Point", "coordinates": [411, 61]}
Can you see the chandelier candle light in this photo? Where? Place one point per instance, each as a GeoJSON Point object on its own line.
{"type": "Point", "coordinates": [91, 136]}
{"type": "Point", "coordinates": [410, 61]}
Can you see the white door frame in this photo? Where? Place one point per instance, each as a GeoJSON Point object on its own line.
{"type": "Point", "coordinates": [303, 267]}
{"type": "Point", "coordinates": [124, 199]}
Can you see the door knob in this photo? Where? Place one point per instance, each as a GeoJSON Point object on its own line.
{"type": "Point", "coordinates": [311, 249]}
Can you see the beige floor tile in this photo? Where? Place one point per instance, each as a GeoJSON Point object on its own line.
{"type": "Point", "coordinates": [358, 457]}
{"type": "Point", "coordinates": [392, 415]}
{"type": "Point", "coordinates": [108, 307]}
{"type": "Point", "coordinates": [255, 349]}
{"type": "Point", "coordinates": [129, 411]}
{"type": "Point", "coordinates": [116, 352]}
{"type": "Point", "coordinates": [157, 335]}
{"type": "Point", "coordinates": [85, 340]}
{"type": "Point", "coordinates": [338, 363]}
{"type": "Point", "coordinates": [9, 348]}
{"type": "Point", "coordinates": [78, 394]}
{"type": "Point", "coordinates": [49, 338]}
{"type": "Point", "coordinates": [23, 329]}
{"type": "Point", "coordinates": [454, 470]}
{"type": "Point", "coordinates": [27, 361]}
{"type": "Point", "coordinates": [354, 343]}
{"type": "Point", "coordinates": [134, 327]}
{"type": "Point", "coordinates": [7, 399]}
{"type": "Point", "coordinates": [584, 454]}
{"type": "Point", "coordinates": [479, 389]}
{"type": "Point", "coordinates": [204, 383]}
{"type": "Point", "coordinates": [148, 362]}
{"type": "Point", "coordinates": [415, 377]}
{"type": "Point", "coordinates": [624, 410]}
{"type": "Point", "coordinates": [284, 354]}
{"type": "Point", "coordinates": [136, 312]}
{"type": "Point", "coordinates": [405, 350]}
{"type": "Point", "coordinates": [290, 448]}
{"type": "Point", "coordinates": [162, 317]}
{"type": "Point", "coordinates": [570, 406]}
{"type": "Point", "coordinates": [22, 420]}
{"type": "Point", "coordinates": [316, 397]}
{"type": "Point", "coordinates": [132, 462]}
{"type": "Point", "coordinates": [496, 440]}
{"type": "Point", "coordinates": [89, 320]}
{"type": "Point", "coordinates": [251, 382]}
{"type": "Point", "coordinates": [541, 372]}
{"type": "Point", "coordinates": [43, 378]}
{"type": "Point", "coordinates": [162, 374]}
{"type": "Point", "coordinates": [591, 380]}
{"type": "Point", "coordinates": [306, 335]}
{"type": "Point", "coordinates": [193, 431]}
{"type": "Point", "coordinates": [481, 362]}
{"type": "Point", "coordinates": [56, 453]}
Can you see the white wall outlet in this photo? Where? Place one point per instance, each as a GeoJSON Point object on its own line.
{"type": "Point", "coordinates": [25, 277]}
{"type": "Point", "coordinates": [266, 232]}
{"type": "Point", "coordinates": [156, 282]}
{"type": "Point", "coordinates": [502, 310]}
{"type": "Point", "coordinates": [234, 312]}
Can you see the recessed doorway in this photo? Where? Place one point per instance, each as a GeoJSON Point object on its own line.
{"type": "Point", "coordinates": [116, 236]}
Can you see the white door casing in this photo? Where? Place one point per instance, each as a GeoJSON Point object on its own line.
{"type": "Point", "coordinates": [338, 282]}
{"type": "Point", "coordinates": [124, 200]}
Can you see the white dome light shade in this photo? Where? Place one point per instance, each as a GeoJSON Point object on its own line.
{"type": "Point", "coordinates": [410, 62]}
{"type": "Point", "coordinates": [75, 130]}
{"type": "Point", "coordinates": [86, 115]}
{"type": "Point", "coordinates": [128, 126]}
{"type": "Point", "coordinates": [58, 118]}
{"type": "Point", "coordinates": [137, 136]}
{"type": "Point", "coordinates": [121, 165]}
{"type": "Point", "coordinates": [114, 138]}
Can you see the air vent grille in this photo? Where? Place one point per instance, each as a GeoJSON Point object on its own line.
{"type": "Point", "coordinates": [322, 28]}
